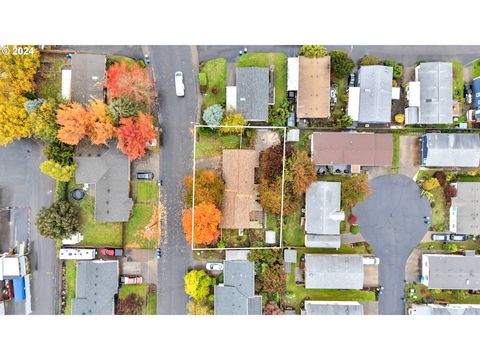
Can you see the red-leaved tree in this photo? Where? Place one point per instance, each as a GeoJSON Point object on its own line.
{"type": "Point", "coordinates": [133, 135]}
{"type": "Point", "coordinates": [129, 81]}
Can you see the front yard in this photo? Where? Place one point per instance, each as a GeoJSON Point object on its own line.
{"type": "Point", "coordinates": [48, 80]}
{"type": "Point", "coordinates": [423, 295]}
{"type": "Point", "coordinates": [396, 152]}
{"type": "Point", "coordinates": [141, 230]}
{"type": "Point", "coordinates": [145, 300]}
{"type": "Point", "coordinates": [439, 210]}
{"type": "Point", "coordinates": [216, 72]}
{"type": "Point", "coordinates": [147, 191]}
{"type": "Point", "coordinates": [265, 60]}
{"type": "Point", "coordinates": [212, 144]}
{"type": "Point", "coordinates": [71, 282]}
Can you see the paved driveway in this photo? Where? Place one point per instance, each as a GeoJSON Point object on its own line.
{"type": "Point", "coordinates": [23, 185]}
{"type": "Point", "coordinates": [391, 220]}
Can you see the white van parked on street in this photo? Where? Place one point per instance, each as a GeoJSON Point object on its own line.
{"type": "Point", "coordinates": [179, 86]}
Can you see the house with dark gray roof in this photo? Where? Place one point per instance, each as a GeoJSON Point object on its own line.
{"type": "Point", "coordinates": [236, 296]}
{"type": "Point", "coordinates": [332, 308]}
{"type": "Point", "coordinates": [88, 76]}
{"type": "Point", "coordinates": [253, 93]}
{"type": "Point", "coordinates": [333, 271]}
{"type": "Point", "coordinates": [456, 272]}
{"type": "Point", "coordinates": [450, 150]}
{"type": "Point", "coordinates": [96, 287]}
{"type": "Point", "coordinates": [323, 215]}
{"type": "Point", "coordinates": [375, 95]}
{"type": "Point", "coordinates": [465, 209]}
{"type": "Point", "coordinates": [108, 169]}
{"type": "Point", "coordinates": [448, 309]}
{"type": "Point", "coordinates": [430, 96]}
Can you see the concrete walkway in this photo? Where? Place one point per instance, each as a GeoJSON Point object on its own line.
{"type": "Point", "coordinates": [409, 155]}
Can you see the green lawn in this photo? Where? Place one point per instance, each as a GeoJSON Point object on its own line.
{"type": "Point", "coordinates": [216, 71]}
{"type": "Point", "coordinates": [147, 191]}
{"type": "Point", "coordinates": [344, 249]}
{"type": "Point", "coordinates": [293, 232]}
{"type": "Point", "coordinates": [476, 69]}
{"type": "Point", "coordinates": [466, 178]}
{"type": "Point", "coordinates": [71, 280]}
{"type": "Point", "coordinates": [141, 290]}
{"type": "Point", "coordinates": [296, 294]}
{"type": "Point", "coordinates": [48, 80]}
{"type": "Point", "coordinates": [212, 144]}
{"type": "Point", "coordinates": [461, 245]}
{"type": "Point", "coordinates": [141, 215]}
{"type": "Point", "coordinates": [396, 151]}
{"type": "Point", "coordinates": [96, 234]}
{"type": "Point", "coordinates": [439, 211]}
{"type": "Point", "coordinates": [265, 60]}
{"type": "Point", "coordinates": [457, 68]}
{"type": "Point", "coordinates": [152, 303]}
{"type": "Point", "coordinates": [273, 223]}
{"type": "Point", "coordinates": [449, 296]}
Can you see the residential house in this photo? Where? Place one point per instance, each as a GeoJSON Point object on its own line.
{"type": "Point", "coordinates": [240, 208]}
{"type": "Point", "coordinates": [96, 287]}
{"type": "Point", "coordinates": [108, 169]}
{"type": "Point", "coordinates": [236, 296]}
{"type": "Point", "coordinates": [332, 308]}
{"type": "Point", "coordinates": [448, 309]}
{"type": "Point", "coordinates": [313, 96]}
{"type": "Point", "coordinates": [87, 77]}
{"type": "Point", "coordinates": [430, 96]}
{"type": "Point", "coordinates": [372, 100]}
{"type": "Point", "coordinates": [323, 215]}
{"type": "Point", "coordinates": [465, 209]}
{"type": "Point", "coordinates": [253, 93]}
{"type": "Point", "coordinates": [457, 272]}
{"type": "Point", "coordinates": [353, 150]}
{"type": "Point", "coordinates": [450, 150]}
{"type": "Point", "coordinates": [333, 271]}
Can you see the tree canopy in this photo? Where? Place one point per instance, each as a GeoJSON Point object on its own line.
{"type": "Point", "coordinates": [209, 187]}
{"type": "Point", "coordinates": [313, 51]}
{"type": "Point", "coordinates": [341, 64]}
{"type": "Point", "coordinates": [233, 119]}
{"type": "Point", "coordinates": [198, 284]}
{"type": "Point", "coordinates": [59, 221]}
{"type": "Point", "coordinates": [207, 219]}
{"type": "Point", "coordinates": [133, 135]}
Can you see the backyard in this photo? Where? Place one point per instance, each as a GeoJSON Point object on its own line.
{"type": "Point", "coordinates": [71, 281]}
{"type": "Point", "coordinates": [293, 232]}
{"type": "Point", "coordinates": [211, 144]}
{"type": "Point", "coordinates": [48, 80]}
{"type": "Point", "coordinates": [216, 73]}
{"type": "Point", "coordinates": [141, 230]}
{"type": "Point", "coordinates": [94, 233]}
{"type": "Point", "coordinates": [457, 68]}
{"type": "Point", "coordinates": [265, 60]}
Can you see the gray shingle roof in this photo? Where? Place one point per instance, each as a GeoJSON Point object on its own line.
{"type": "Point", "coordinates": [237, 294]}
{"type": "Point", "coordinates": [96, 286]}
{"type": "Point", "coordinates": [333, 271]}
{"type": "Point", "coordinates": [467, 205]}
{"type": "Point", "coordinates": [253, 93]}
{"type": "Point", "coordinates": [450, 150]}
{"type": "Point", "coordinates": [451, 271]}
{"type": "Point", "coordinates": [323, 241]}
{"type": "Point", "coordinates": [375, 82]}
{"type": "Point", "coordinates": [109, 169]}
{"type": "Point", "coordinates": [450, 309]}
{"type": "Point", "coordinates": [333, 308]}
{"type": "Point", "coordinates": [322, 209]}
{"type": "Point", "coordinates": [436, 98]}
{"type": "Point", "coordinates": [88, 75]}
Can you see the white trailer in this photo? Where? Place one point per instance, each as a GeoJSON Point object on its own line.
{"type": "Point", "coordinates": [77, 254]}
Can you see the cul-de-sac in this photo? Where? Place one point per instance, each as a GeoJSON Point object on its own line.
{"type": "Point", "coordinates": [239, 180]}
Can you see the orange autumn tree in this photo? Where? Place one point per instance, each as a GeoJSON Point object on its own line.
{"type": "Point", "coordinates": [129, 81]}
{"type": "Point", "coordinates": [133, 135]}
{"type": "Point", "coordinates": [207, 219]}
{"type": "Point", "coordinates": [95, 121]}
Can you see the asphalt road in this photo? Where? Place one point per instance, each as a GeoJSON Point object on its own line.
{"type": "Point", "coordinates": [405, 54]}
{"type": "Point", "coordinates": [133, 51]}
{"type": "Point", "coordinates": [23, 185]}
{"type": "Point", "coordinates": [391, 221]}
{"type": "Point", "coordinates": [177, 116]}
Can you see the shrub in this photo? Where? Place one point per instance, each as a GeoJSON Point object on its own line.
{"type": "Point", "coordinates": [341, 64]}
{"type": "Point", "coordinates": [344, 121]}
{"type": "Point", "coordinates": [441, 177]}
{"type": "Point", "coordinates": [43, 122]}
{"type": "Point", "coordinates": [202, 79]}
{"type": "Point", "coordinates": [355, 229]}
{"type": "Point", "coordinates": [399, 118]}
{"type": "Point", "coordinates": [353, 220]}
{"type": "Point", "coordinates": [59, 221]}
{"type": "Point", "coordinates": [123, 108]}
{"type": "Point", "coordinates": [368, 60]}
{"type": "Point", "coordinates": [214, 89]}
{"type": "Point", "coordinates": [233, 119]}
{"type": "Point", "coordinates": [312, 51]}
{"type": "Point", "coordinates": [61, 191]}
{"type": "Point", "coordinates": [32, 105]}
{"type": "Point", "coordinates": [450, 247]}
{"type": "Point", "coordinates": [57, 171]}
{"type": "Point", "coordinates": [430, 184]}
{"type": "Point", "coordinates": [397, 68]}
{"type": "Point", "coordinates": [213, 115]}
{"type": "Point", "coordinates": [278, 117]}
{"type": "Point", "coordinates": [59, 152]}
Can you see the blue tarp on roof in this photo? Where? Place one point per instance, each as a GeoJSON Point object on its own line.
{"type": "Point", "coordinates": [19, 289]}
{"type": "Point", "coordinates": [476, 93]}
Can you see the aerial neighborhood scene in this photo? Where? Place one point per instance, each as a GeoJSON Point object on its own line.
{"type": "Point", "coordinates": [239, 180]}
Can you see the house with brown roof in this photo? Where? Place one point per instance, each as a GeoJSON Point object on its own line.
{"type": "Point", "coordinates": [351, 149]}
{"type": "Point", "coordinates": [313, 96]}
{"type": "Point", "coordinates": [240, 209]}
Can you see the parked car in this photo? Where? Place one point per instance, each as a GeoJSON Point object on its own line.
{"type": "Point", "coordinates": [458, 237]}
{"type": "Point", "coordinates": [468, 92]}
{"type": "Point", "coordinates": [179, 86]}
{"type": "Point", "coordinates": [440, 237]}
{"type": "Point", "coordinates": [214, 266]}
{"type": "Point", "coordinates": [112, 252]}
{"type": "Point", "coordinates": [146, 175]}
{"type": "Point", "coordinates": [131, 279]}
{"type": "Point", "coordinates": [159, 253]}
{"type": "Point", "coordinates": [302, 261]}
{"type": "Point", "coordinates": [351, 79]}
{"type": "Point", "coordinates": [371, 260]}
